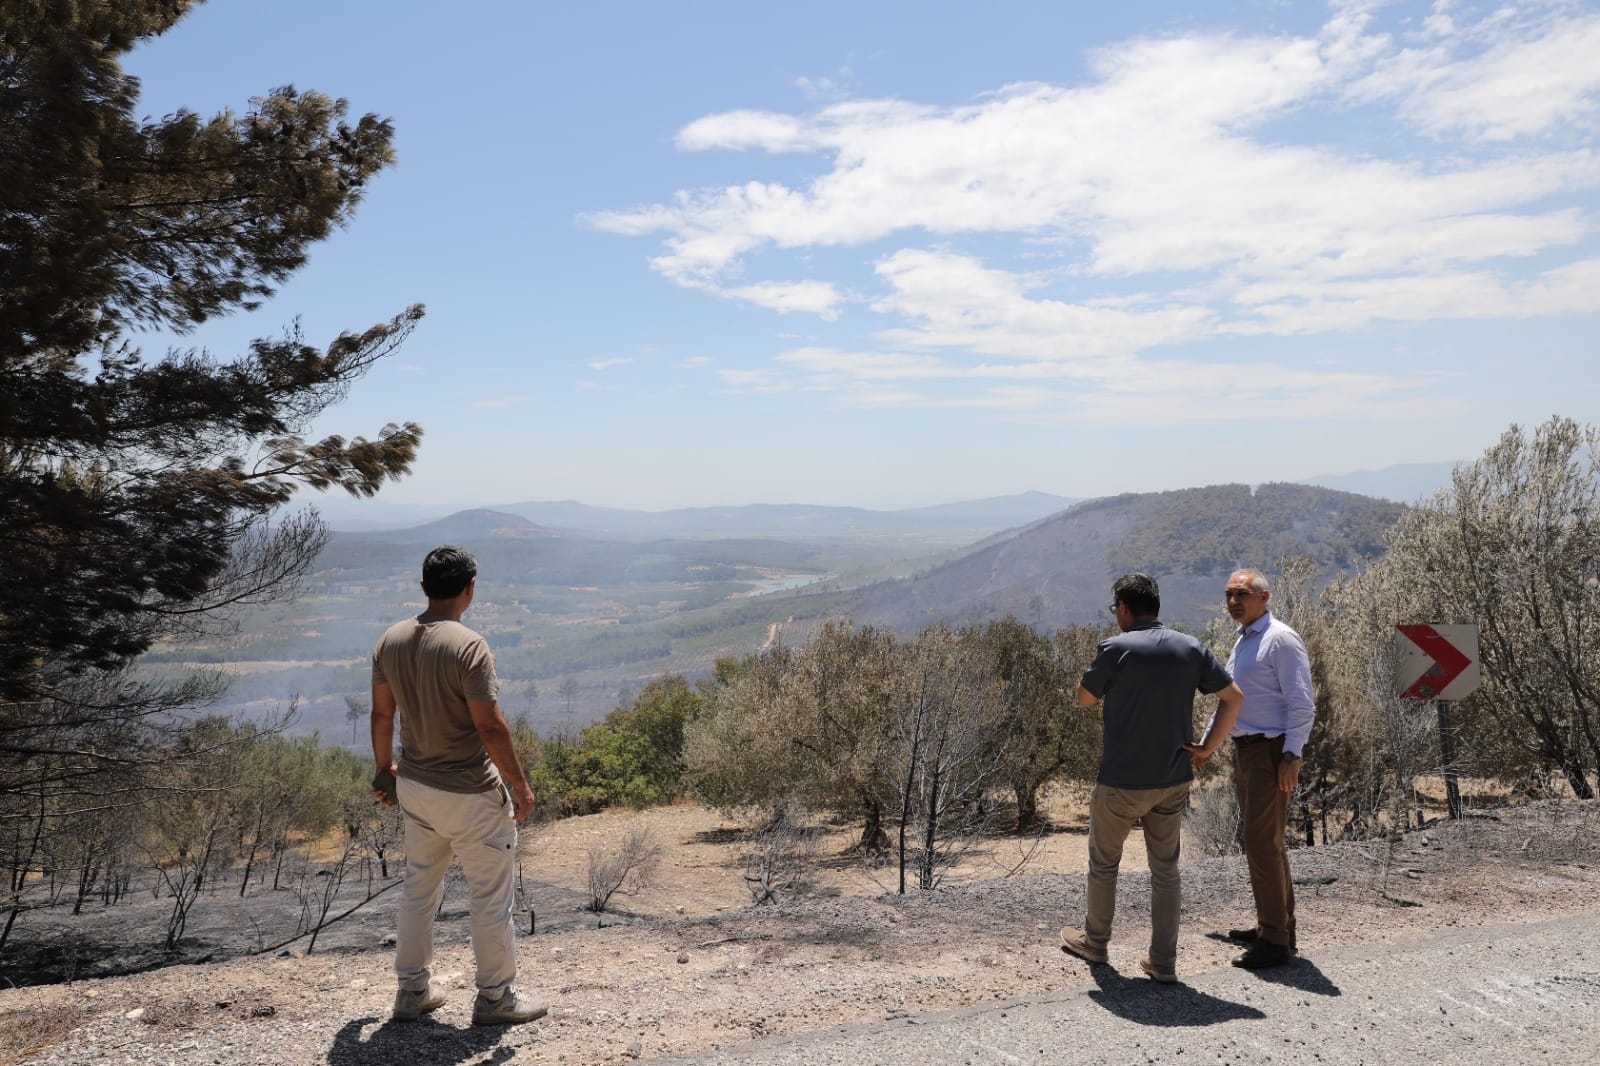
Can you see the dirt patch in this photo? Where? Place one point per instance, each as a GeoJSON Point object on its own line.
{"type": "Point", "coordinates": [722, 973]}
{"type": "Point", "coordinates": [701, 872]}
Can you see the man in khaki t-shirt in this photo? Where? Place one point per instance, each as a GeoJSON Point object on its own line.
{"type": "Point", "coordinates": [434, 662]}
{"type": "Point", "coordinates": [459, 785]}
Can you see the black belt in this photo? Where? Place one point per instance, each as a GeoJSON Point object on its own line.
{"type": "Point", "coordinates": [1254, 738]}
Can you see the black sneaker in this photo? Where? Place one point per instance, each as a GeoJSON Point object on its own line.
{"type": "Point", "coordinates": [1263, 954]}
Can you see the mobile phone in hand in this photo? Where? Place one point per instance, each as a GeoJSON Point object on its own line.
{"type": "Point", "coordinates": [384, 782]}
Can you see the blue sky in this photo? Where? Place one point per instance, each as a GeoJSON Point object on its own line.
{"type": "Point", "coordinates": [897, 254]}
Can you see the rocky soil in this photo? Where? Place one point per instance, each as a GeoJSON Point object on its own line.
{"type": "Point", "coordinates": [721, 975]}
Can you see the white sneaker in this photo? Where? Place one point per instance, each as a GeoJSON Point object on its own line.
{"type": "Point", "coordinates": [512, 1008]}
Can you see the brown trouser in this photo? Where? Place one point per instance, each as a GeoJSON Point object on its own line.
{"type": "Point", "coordinates": [1112, 812]}
{"type": "Point", "coordinates": [1264, 812]}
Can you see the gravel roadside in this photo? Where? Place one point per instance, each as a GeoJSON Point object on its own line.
{"type": "Point", "coordinates": [685, 987]}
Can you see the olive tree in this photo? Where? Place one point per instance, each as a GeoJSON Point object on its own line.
{"type": "Point", "coordinates": [1038, 680]}
{"type": "Point", "coordinates": [950, 741]}
{"type": "Point", "coordinates": [806, 724]}
{"type": "Point", "coordinates": [1513, 547]}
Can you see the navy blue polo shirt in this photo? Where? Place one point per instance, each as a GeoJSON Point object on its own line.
{"type": "Point", "coordinates": [1146, 679]}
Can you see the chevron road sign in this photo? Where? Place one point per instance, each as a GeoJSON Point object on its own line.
{"type": "Point", "coordinates": [1437, 662]}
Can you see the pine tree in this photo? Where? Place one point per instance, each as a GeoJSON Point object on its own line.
{"type": "Point", "coordinates": [137, 491]}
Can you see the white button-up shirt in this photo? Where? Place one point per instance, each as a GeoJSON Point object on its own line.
{"type": "Point", "coordinates": [1272, 669]}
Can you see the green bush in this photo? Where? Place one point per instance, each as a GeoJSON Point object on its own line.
{"type": "Point", "coordinates": [634, 758]}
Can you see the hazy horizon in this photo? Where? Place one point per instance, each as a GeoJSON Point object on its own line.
{"type": "Point", "coordinates": [1425, 475]}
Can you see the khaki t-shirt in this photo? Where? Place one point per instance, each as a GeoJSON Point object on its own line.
{"type": "Point", "coordinates": [435, 665]}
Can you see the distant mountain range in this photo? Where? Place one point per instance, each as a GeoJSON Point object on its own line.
{"type": "Point", "coordinates": [1060, 570]}
{"type": "Point", "coordinates": [471, 525]}
{"type": "Point", "coordinates": [1405, 483]}
{"type": "Point", "coordinates": [958, 522]}
{"type": "Point", "coordinates": [1043, 558]}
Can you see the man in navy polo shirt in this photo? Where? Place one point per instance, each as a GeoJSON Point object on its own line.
{"type": "Point", "coordinates": [1147, 675]}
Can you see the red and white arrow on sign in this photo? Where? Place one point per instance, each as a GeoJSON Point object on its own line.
{"type": "Point", "coordinates": [1437, 662]}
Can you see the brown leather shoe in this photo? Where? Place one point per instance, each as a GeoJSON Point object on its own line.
{"type": "Point", "coordinates": [1158, 974]}
{"type": "Point", "coordinates": [1077, 942]}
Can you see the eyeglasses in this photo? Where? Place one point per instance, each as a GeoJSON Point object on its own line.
{"type": "Point", "coordinates": [1112, 608]}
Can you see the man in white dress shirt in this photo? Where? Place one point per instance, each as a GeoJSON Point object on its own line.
{"type": "Point", "coordinates": [1270, 665]}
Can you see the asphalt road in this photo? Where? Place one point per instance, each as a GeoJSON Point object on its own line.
{"type": "Point", "coordinates": [1500, 996]}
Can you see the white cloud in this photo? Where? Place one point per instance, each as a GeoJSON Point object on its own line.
{"type": "Point", "coordinates": [1287, 307]}
{"type": "Point", "coordinates": [1006, 399]}
{"type": "Point", "coordinates": [760, 380]}
{"type": "Point", "coordinates": [831, 364]}
{"type": "Point", "coordinates": [1152, 165]}
{"type": "Point", "coordinates": [955, 302]}
{"type": "Point", "coordinates": [696, 361]}
{"type": "Point", "coordinates": [817, 297]}
{"type": "Point", "coordinates": [1187, 190]}
{"type": "Point", "coordinates": [1186, 391]}
{"type": "Point", "coordinates": [824, 86]}
{"type": "Point", "coordinates": [748, 129]}
{"type": "Point", "coordinates": [1165, 393]}
{"type": "Point", "coordinates": [607, 364]}
{"type": "Point", "coordinates": [1537, 70]}
{"type": "Point", "coordinates": [1574, 287]}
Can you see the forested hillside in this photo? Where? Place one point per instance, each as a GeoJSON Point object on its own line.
{"type": "Point", "coordinates": [1058, 571]}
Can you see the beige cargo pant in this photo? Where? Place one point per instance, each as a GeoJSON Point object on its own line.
{"type": "Point", "coordinates": [480, 829]}
{"type": "Point", "coordinates": [1112, 812]}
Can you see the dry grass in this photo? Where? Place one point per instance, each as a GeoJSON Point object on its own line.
{"type": "Point", "coordinates": [28, 1032]}
{"type": "Point", "coordinates": [1552, 831]}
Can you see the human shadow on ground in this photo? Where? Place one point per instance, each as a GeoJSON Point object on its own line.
{"type": "Point", "coordinates": [421, 1041]}
{"type": "Point", "coordinates": [1301, 973]}
{"type": "Point", "coordinates": [1143, 1001]}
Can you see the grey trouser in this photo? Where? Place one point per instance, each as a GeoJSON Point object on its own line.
{"type": "Point", "coordinates": [1112, 812]}
{"type": "Point", "coordinates": [480, 829]}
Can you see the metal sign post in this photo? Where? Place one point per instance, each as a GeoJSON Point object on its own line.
{"type": "Point", "coordinates": [1440, 663]}
{"type": "Point", "coordinates": [1447, 749]}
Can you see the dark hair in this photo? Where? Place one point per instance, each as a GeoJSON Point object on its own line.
{"type": "Point", "coordinates": [446, 571]}
{"type": "Point", "coordinates": [1140, 592]}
